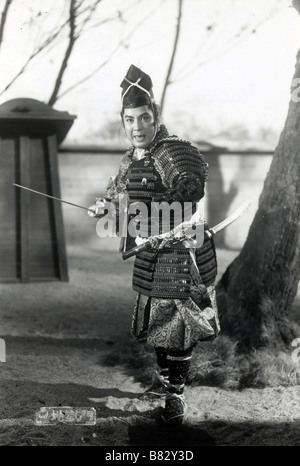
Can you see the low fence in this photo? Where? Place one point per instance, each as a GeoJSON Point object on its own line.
{"type": "Point", "coordinates": [234, 176]}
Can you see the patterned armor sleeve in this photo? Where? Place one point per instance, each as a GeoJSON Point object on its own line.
{"type": "Point", "coordinates": [117, 184]}
{"type": "Point", "coordinates": [182, 168]}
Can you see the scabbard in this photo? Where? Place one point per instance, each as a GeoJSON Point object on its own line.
{"type": "Point", "coordinates": [154, 242]}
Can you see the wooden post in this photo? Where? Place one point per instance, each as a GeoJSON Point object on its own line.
{"type": "Point", "coordinates": [32, 239]}
{"type": "Point", "coordinates": [57, 208]}
{"type": "Point", "coordinates": [23, 209]}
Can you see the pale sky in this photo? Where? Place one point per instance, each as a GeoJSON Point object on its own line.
{"type": "Point", "coordinates": [247, 86]}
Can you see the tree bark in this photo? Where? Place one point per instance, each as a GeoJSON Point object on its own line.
{"type": "Point", "coordinates": [257, 290]}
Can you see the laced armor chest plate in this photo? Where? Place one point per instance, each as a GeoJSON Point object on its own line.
{"type": "Point", "coordinates": [143, 181]}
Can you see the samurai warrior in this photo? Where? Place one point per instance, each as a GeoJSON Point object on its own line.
{"type": "Point", "coordinates": [174, 278]}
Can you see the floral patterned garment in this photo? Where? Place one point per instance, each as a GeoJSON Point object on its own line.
{"type": "Point", "coordinates": [175, 323]}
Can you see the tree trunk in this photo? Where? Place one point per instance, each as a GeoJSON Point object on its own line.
{"type": "Point", "coordinates": [257, 290]}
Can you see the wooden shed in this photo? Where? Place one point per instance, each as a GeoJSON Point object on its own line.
{"type": "Point", "coordinates": [32, 239]}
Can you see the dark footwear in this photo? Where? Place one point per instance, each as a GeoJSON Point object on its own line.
{"type": "Point", "coordinates": [173, 414]}
{"type": "Point", "coordinates": [158, 388]}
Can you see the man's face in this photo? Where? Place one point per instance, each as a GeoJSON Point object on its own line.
{"type": "Point", "coordinates": [139, 124]}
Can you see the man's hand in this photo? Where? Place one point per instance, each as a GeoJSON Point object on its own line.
{"type": "Point", "coordinates": [97, 209]}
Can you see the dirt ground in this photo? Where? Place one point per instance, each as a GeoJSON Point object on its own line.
{"type": "Point", "coordinates": [56, 334]}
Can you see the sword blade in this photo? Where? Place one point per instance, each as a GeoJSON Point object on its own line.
{"type": "Point", "coordinates": [234, 216]}
{"type": "Point", "coordinates": [51, 197]}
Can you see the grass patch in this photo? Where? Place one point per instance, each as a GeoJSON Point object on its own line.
{"type": "Point", "coordinates": [268, 368]}
{"type": "Point", "coordinates": [214, 363]}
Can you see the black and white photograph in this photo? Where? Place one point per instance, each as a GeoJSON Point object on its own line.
{"type": "Point", "coordinates": [150, 226]}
